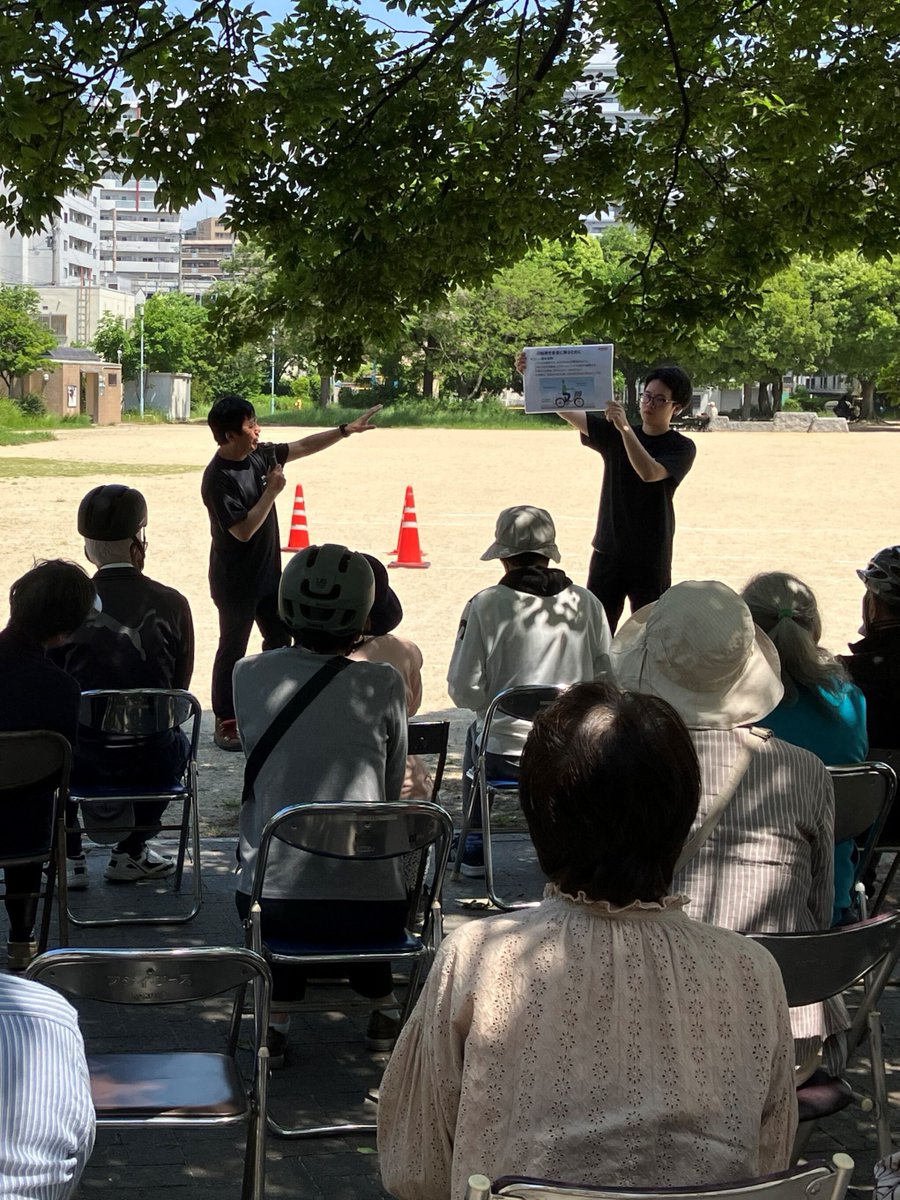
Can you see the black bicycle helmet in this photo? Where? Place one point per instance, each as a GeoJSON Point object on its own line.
{"type": "Point", "coordinates": [882, 574]}
{"type": "Point", "coordinates": [326, 588]}
{"type": "Point", "coordinates": [111, 513]}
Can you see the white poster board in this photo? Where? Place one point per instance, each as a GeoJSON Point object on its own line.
{"type": "Point", "coordinates": [573, 377]}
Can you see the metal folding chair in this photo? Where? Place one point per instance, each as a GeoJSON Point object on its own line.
{"type": "Point", "coordinates": [816, 966]}
{"type": "Point", "coordinates": [369, 832]}
{"type": "Point", "coordinates": [127, 722]}
{"type": "Point", "coordinates": [863, 797]}
{"type": "Point", "coordinates": [430, 738]}
{"type": "Point", "coordinates": [521, 704]}
{"type": "Point", "coordinates": [39, 761]}
{"type": "Point", "coordinates": [889, 839]}
{"type": "Point", "coordinates": [812, 1181]}
{"type": "Point", "coordinates": [174, 1087]}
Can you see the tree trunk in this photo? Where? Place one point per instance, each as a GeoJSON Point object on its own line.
{"type": "Point", "coordinates": [762, 401]}
{"type": "Point", "coordinates": [428, 372]}
{"type": "Point", "coordinates": [746, 400]}
{"type": "Point", "coordinates": [867, 400]}
{"type": "Point", "coordinates": [324, 386]}
{"type": "Point", "coordinates": [632, 409]}
{"type": "Point", "coordinates": [776, 393]}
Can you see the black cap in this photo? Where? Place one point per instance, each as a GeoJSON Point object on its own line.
{"type": "Point", "coordinates": [387, 611]}
{"type": "Point", "coordinates": [111, 513]}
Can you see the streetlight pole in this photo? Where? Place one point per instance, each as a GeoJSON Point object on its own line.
{"type": "Point", "coordinates": [272, 376]}
{"type": "Point", "coordinates": [139, 299]}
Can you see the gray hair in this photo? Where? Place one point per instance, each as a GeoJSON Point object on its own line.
{"type": "Point", "coordinates": [101, 554]}
{"type": "Point", "coordinates": [785, 608]}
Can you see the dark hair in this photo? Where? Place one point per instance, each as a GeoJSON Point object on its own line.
{"type": "Point", "coordinates": [677, 381]}
{"type": "Point", "coordinates": [528, 558]}
{"type": "Point", "coordinates": [228, 414]}
{"type": "Point", "coordinates": [54, 597]}
{"type": "Point", "coordinates": [320, 641]}
{"type": "Point", "coordinates": [609, 784]}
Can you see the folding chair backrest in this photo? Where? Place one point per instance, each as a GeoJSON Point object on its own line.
{"type": "Point", "coordinates": [812, 1181]}
{"type": "Point", "coordinates": [816, 966]}
{"type": "Point", "coordinates": [358, 831]}
{"type": "Point", "coordinates": [863, 795]}
{"type": "Point", "coordinates": [31, 759]}
{"type": "Point", "coordinates": [137, 714]}
{"type": "Point", "coordinates": [430, 738]}
{"type": "Point", "coordinates": [148, 976]}
{"type": "Point", "coordinates": [524, 703]}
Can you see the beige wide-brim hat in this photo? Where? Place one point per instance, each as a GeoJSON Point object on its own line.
{"type": "Point", "coordinates": [698, 648]}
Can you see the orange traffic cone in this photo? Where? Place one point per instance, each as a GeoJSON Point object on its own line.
{"type": "Point", "coordinates": [408, 552]}
{"type": "Point", "coordinates": [298, 538]}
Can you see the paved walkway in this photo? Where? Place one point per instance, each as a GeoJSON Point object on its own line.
{"type": "Point", "coordinates": [329, 1075]}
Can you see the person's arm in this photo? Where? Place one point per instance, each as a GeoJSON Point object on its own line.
{"type": "Point", "coordinates": [255, 518]}
{"type": "Point", "coordinates": [184, 659]}
{"type": "Point", "coordinates": [778, 1123]}
{"type": "Point", "coordinates": [646, 466]}
{"type": "Point", "coordinates": [602, 664]}
{"type": "Point", "coordinates": [821, 898]}
{"type": "Point", "coordinates": [466, 681]}
{"type": "Point", "coordinates": [329, 437]}
{"type": "Point", "coordinates": [395, 761]}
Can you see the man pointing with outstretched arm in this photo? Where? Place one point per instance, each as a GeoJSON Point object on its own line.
{"type": "Point", "coordinates": [239, 489]}
{"type": "Point", "coordinates": [643, 465]}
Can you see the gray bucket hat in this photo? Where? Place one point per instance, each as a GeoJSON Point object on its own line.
{"type": "Point", "coordinates": [523, 529]}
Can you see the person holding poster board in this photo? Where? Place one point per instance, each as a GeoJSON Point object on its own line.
{"type": "Point", "coordinates": [643, 465]}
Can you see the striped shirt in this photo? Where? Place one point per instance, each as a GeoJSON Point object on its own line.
{"type": "Point", "coordinates": [768, 866]}
{"type": "Point", "coordinates": [46, 1114]}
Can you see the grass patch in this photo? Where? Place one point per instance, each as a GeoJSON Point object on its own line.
{"type": "Point", "coordinates": [29, 468]}
{"type": "Point", "coordinates": [465, 415]}
{"type": "Point", "coordinates": [152, 416]}
{"type": "Point", "coordinates": [18, 437]}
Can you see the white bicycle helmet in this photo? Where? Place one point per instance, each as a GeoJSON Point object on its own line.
{"type": "Point", "coordinates": [327, 588]}
{"type": "Point", "coordinates": [882, 574]}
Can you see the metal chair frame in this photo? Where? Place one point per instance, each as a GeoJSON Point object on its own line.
{"type": "Point", "coordinates": [370, 832]}
{"type": "Point", "coordinates": [864, 794]}
{"type": "Point", "coordinates": [183, 791]}
{"type": "Point", "coordinates": [166, 977]}
{"type": "Point", "coordinates": [523, 704]}
{"type": "Point", "coordinates": [430, 738]}
{"type": "Point", "coordinates": [816, 966]}
{"type": "Point", "coordinates": [892, 846]}
{"type": "Point", "coordinates": [811, 1181]}
{"type": "Point", "coordinates": [29, 759]}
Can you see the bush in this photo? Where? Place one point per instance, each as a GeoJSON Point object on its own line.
{"type": "Point", "coordinates": [792, 404]}
{"type": "Point", "coordinates": [32, 405]}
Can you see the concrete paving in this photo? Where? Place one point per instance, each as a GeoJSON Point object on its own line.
{"type": "Point", "coordinates": [330, 1075]}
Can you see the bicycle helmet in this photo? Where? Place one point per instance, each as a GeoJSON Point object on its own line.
{"type": "Point", "coordinates": [327, 588]}
{"type": "Point", "coordinates": [882, 574]}
{"type": "Point", "coordinates": [111, 513]}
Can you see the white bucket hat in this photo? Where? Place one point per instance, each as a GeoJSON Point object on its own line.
{"type": "Point", "coordinates": [523, 529]}
{"type": "Point", "coordinates": [697, 648]}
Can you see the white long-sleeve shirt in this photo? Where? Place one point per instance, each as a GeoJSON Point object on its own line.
{"type": "Point", "coordinates": [509, 638]}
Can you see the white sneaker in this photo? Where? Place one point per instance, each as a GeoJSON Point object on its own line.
{"type": "Point", "coordinates": [77, 878]}
{"type": "Point", "coordinates": [148, 865]}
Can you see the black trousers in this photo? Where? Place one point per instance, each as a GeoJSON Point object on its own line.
{"type": "Point", "coordinates": [236, 621]}
{"type": "Point", "coordinates": [612, 580]}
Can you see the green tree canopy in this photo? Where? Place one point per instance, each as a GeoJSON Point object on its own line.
{"type": "Point", "coordinates": [379, 170]}
{"type": "Point", "coordinates": [24, 341]}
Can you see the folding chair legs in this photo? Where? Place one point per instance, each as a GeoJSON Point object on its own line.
{"type": "Point", "coordinates": [879, 1085]}
{"type": "Point", "coordinates": [254, 1181]}
{"type": "Point", "coordinates": [464, 829]}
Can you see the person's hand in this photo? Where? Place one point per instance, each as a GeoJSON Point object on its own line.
{"type": "Point", "coordinates": [616, 413]}
{"type": "Point", "coordinates": [361, 424]}
{"type": "Point", "coordinates": [520, 362]}
{"type": "Point", "coordinates": [275, 480]}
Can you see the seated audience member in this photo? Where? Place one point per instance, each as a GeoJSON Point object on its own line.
{"type": "Point", "coordinates": [346, 743]}
{"type": "Point", "coordinates": [874, 662]}
{"type": "Point", "coordinates": [822, 710]}
{"type": "Point", "coordinates": [48, 1114]}
{"type": "Point", "coordinates": [381, 644]}
{"type": "Point", "coordinates": [585, 1039]}
{"type": "Point", "coordinates": [142, 638]}
{"type": "Point", "coordinates": [767, 864]}
{"type": "Point", "coordinates": [533, 627]}
{"type": "Point", "coordinates": [46, 606]}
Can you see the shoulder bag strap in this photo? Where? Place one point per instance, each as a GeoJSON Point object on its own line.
{"type": "Point", "coordinates": [286, 718]}
{"type": "Point", "coordinates": [721, 802]}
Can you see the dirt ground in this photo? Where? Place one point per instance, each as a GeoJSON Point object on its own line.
{"type": "Point", "coordinates": [816, 505]}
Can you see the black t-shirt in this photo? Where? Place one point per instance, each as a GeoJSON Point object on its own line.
{"type": "Point", "coordinates": [636, 522]}
{"type": "Point", "coordinates": [143, 638]}
{"type": "Point", "coordinates": [241, 570]}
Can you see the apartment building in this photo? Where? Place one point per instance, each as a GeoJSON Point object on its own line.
{"type": "Point", "coordinates": [140, 244]}
{"type": "Point", "coordinates": [204, 248]}
{"type": "Point", "coordinates": [65, 252]}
